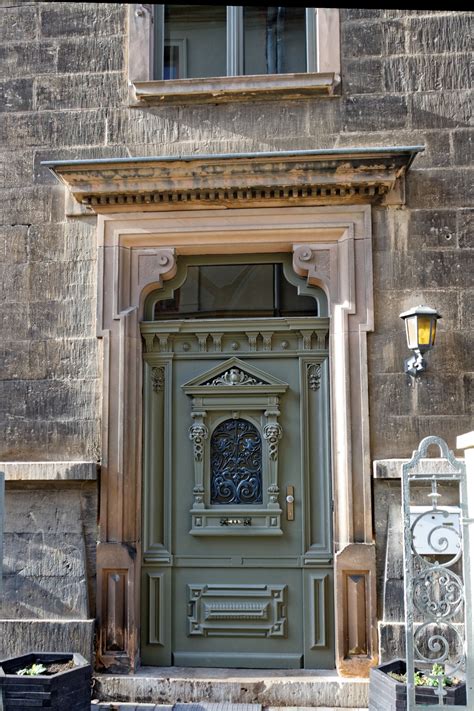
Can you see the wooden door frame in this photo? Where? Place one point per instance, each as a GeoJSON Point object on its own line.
{"type": "Point", "coordinates": [138, 252]}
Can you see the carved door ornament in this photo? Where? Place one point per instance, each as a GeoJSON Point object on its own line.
{"type": "Point", "coordinates": [235, 435]}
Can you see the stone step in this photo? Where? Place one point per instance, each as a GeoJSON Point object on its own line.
{"type": "Point", "coordinates": [207, 707]}
{"type": "Point", "coordinates": [271, 689]}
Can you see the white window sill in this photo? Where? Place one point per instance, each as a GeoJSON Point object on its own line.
{"type": "Point", "coordinates": [222, 89]}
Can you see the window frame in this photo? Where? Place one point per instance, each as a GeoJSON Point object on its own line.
{"type": "Point", "coordinates": [322, 57]}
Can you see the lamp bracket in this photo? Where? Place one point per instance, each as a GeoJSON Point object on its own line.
{"type": "Point", "coordinates": [415, 365]}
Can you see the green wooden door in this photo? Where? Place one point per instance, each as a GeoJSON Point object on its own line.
{"type": "Point", "coordinates": [235, 572]}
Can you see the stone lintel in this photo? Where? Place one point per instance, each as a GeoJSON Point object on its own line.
{"type": "Point", "coordinates": [319, 177]}
{"type": "Point", "coordinates": [392, 468]}
{"type": "Point", "coordinates": [49, 471]}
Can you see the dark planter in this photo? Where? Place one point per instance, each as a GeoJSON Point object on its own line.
{"type": "Point", "coordinates": [387, 694]}
{"type": "Point", "coordinates": [68, 690]}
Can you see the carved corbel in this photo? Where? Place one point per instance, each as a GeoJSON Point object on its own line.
{"type": "Point", "coordinates": [312, 264]}
{"type": "Point", "coordinates": [155, 266]}
{"type": "Point", "coordinates": [198, 433]}
{"type": "Point", "coordinates": [273, 433]}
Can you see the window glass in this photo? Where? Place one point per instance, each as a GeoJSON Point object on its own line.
{"type": "Point", "coordinates": [235, 290]}
{"type": "Point", "coordinates": [274, 40]}
{"type": "Point", "coordinates": [194, 41]}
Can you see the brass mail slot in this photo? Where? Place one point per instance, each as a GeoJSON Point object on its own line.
{"type": "Point", "coordinates": [236, 522]}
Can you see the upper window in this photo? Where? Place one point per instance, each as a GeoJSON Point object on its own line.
{"type": "Point", "coordinates": [193, 41]}
{"type": "Point", "coordinates": [219, 53]}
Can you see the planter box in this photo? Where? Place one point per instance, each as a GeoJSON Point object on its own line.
{"type": "Point", "coordinates": [68, 690]}
{"type": "Point", "coordinates": [387, 694]}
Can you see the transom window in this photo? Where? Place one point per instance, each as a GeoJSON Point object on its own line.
{"type": "Point", "coordinates": [236, 291]}
{"type": "Point", "coordinates": [197, 41]}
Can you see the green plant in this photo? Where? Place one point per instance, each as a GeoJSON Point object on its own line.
{"type": "Point", "coordinates": [32, 670]}
{"type": "Point", "coordinates": [427, 678]}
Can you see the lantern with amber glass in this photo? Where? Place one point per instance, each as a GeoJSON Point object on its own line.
{"type": "Point", "coordinates": [420, 324]}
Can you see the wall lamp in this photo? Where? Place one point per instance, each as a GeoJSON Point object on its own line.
{"type": "Point", "coordinates": [420, 324]}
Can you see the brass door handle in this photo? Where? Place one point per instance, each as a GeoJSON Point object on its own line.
{"type": "Point", "coordinates": [290, 503]}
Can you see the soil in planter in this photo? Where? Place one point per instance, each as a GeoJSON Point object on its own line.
{"type": "Point", "coordinates": [51, 667]}
{"type": "Point", "coordinates": [57, 667]}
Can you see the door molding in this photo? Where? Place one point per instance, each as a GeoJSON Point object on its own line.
{"type": "Point", "coordinates": [138, 252]}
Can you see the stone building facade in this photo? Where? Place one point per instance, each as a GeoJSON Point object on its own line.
{"type": "Point", "coordinates": [403, 81]}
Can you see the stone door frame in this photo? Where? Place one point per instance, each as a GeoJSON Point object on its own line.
{"type": "Point", "coordinates": [138, 251]}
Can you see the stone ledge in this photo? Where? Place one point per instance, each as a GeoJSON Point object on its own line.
{"type": "Point", "coordinates": [49, 471]}
{"type": "Point", "coordinates": [392, 468]}
{"type": "Point", "coordinates": [235, 88]}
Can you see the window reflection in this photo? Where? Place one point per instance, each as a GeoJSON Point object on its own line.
{"type": "Point", "coordinates": [274, 40]}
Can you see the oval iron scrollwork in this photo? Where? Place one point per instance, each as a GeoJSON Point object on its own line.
{"type": "Point", "coordinates": [236, 463]}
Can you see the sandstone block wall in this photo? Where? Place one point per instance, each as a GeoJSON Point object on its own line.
{"type": "Point", "coordinates": [63, 94]}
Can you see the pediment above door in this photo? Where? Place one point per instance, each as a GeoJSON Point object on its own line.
{"type": "Point", "coordinates": [237, 376]}
{"type": "Point", "coordinates": [338, 176]}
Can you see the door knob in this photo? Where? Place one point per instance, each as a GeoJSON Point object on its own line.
{"type": "Point", "coordinates": [290, 503]}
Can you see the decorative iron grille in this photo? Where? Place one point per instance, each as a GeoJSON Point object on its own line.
{"type": "Point", "coordinates": [236, 463]}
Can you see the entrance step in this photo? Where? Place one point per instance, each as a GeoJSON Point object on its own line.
{"type": "Point", "coordinates": [271, 689]}
{"type": "Point", "coordinates": [177, 707]}
{"type": "Point", "coordinates": [206, 707]}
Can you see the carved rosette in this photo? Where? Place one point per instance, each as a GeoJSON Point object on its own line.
{"type": "Point", "coordinates": [273, 433]}
{"type": "Point", "coordinates": [314, 376]}
{"type": "Point", "coordinates": [158, 379]}
{"type": "Point", "coordinates": [198, 433]}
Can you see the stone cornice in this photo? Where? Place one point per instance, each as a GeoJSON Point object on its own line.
{"type": "Point", "coordinates": [319, 177]}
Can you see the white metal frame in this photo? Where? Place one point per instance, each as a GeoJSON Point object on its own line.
{"type": "Point", "coordinates": [434, 593]}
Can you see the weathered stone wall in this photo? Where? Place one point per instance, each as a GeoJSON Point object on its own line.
{"type": "Point", "coordinates": [64, 95]}
{"type": "Point", "coordinates": [405, 81]}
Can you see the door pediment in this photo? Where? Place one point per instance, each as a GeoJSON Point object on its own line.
{"type": "Point", "coordinates": [236, 376]}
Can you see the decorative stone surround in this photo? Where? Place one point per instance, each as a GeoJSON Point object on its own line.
{"type": "Point", "coordinates": [331, 248]}
{"type": "Point", "coordinates": [320, 177]}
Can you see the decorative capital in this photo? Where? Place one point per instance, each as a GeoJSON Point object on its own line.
{"type": "Point", "coordinates": [272, 433]}
{"type": "Point", "coordinates": [198, 433]}
{"type": "Point", "coordinates": [158, 378]}
{"type": "Point", "coordinates": [314, 376]}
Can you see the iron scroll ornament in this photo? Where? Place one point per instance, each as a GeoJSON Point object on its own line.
{"type": "Point", "coordinates": [236, 463]}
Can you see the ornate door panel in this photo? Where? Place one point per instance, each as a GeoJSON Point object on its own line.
{"type": "Point", "coordinates": [234, 573]}
{"type": "Point", "coordinates": [237, 551]}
